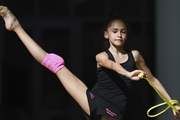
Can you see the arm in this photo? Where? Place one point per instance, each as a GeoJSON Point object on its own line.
{"type": "Point", "coordinates": [103, 61]}
{"type": "Point", "coordinates": [140, 63]}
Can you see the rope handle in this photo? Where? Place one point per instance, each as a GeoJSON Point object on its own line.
{"type": "Point", "coordinates": [170, 103]}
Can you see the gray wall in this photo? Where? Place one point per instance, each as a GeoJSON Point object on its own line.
{"type": "Point", "coordinates": [167, 49]}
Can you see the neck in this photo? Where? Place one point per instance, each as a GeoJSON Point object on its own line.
{"type": "Point", "coordinates": [117, 49]}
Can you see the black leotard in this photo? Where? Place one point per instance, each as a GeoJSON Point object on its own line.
{"type": "Point", "coordinates": [106, 98]}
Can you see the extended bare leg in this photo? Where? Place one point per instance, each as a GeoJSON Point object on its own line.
{"type": "Point", "coordinates": [75, 87]}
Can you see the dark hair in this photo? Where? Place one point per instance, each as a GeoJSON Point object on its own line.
{"type": "Point", "coordinates": [113, 15]}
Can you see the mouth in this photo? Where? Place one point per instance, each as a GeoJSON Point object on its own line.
{"type": "Point", "coordinates": [120, 40]}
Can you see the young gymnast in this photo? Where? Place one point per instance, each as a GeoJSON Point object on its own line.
{"type": "Point", "coordinates": [106, 100]}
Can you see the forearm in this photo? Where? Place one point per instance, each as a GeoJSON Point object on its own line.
{"type": "Point", "coordinates": [119, 69]}
{"type": "Point", "coordinates": [161, 89]}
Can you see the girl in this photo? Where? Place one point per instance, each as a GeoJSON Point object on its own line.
{"type": "Point", "coordinates": [106, 100]}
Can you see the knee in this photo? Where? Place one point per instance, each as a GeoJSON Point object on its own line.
{"type": "Point", "coordinates": [53, 62]}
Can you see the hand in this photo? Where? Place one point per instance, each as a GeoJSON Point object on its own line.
{"type": "Point", "coordinates": [134, 75]}
{"type": "Point", "coordinates": [177, 115]}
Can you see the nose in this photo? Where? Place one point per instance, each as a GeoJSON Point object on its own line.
{"type": "Point", "coordinates": [119, 34]}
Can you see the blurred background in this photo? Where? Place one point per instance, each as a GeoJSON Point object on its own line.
{"type": "Point", "coordinates": [72, 29]}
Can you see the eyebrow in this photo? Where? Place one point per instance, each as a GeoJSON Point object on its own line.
{"type": "Point", "coordinates": [121, 29]}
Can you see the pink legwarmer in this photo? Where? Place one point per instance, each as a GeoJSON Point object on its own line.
{"type": "Point", "coordinates": [53, 62]}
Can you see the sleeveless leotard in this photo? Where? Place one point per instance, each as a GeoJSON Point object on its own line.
{"type": "Point", "coordinates": [106, 98]}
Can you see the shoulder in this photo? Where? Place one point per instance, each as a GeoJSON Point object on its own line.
{"type": "Point", "coordinates": [136, 54]}
{"type": "Point", "coordinates": [101, 55]}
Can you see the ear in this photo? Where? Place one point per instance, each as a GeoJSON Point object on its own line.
{"type": "Point", "coordinates": [106, 35]}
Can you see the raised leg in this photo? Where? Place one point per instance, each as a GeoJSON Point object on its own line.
{"type": "Point", "coordinates": [75, 87]}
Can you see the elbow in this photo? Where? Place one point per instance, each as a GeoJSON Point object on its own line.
{"type": "Point", "coordinates": [113, 67]}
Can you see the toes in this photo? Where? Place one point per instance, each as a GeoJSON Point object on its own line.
{"type": "Point", "coordinates": [3, 10]}
{"type": "Point", "coordinates": [1, 7]}
{"type": "Point", "coordinates": [10, 20]}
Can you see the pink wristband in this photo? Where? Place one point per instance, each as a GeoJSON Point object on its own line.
{"type": "Point", "coordinates": [53, 62]}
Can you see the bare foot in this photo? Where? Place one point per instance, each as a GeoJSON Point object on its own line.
{"type": "Point", "coordinates": [10, 20]}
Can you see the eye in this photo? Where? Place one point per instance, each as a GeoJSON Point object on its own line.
{"type": "Point", "coordinates": [124, 31]}
{"type": "Point", "coordinates": [114, 31]}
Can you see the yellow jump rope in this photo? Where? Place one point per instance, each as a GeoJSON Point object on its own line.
{"type": "Point", "coordinates": [170, 103]}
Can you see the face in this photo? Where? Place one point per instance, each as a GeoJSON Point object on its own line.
{"type": "Point", "coordinates": [116, 33]}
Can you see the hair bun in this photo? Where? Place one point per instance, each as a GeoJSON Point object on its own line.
{"type": "Point", "coordinates": [112, 14]}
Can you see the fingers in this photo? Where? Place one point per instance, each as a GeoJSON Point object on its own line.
{"type": "Point", "coordinates": [177, 115]}
{"type": "Point", "coordinates": [142, 75]}
{"type": "Point", "coordinates": [137, 75]}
